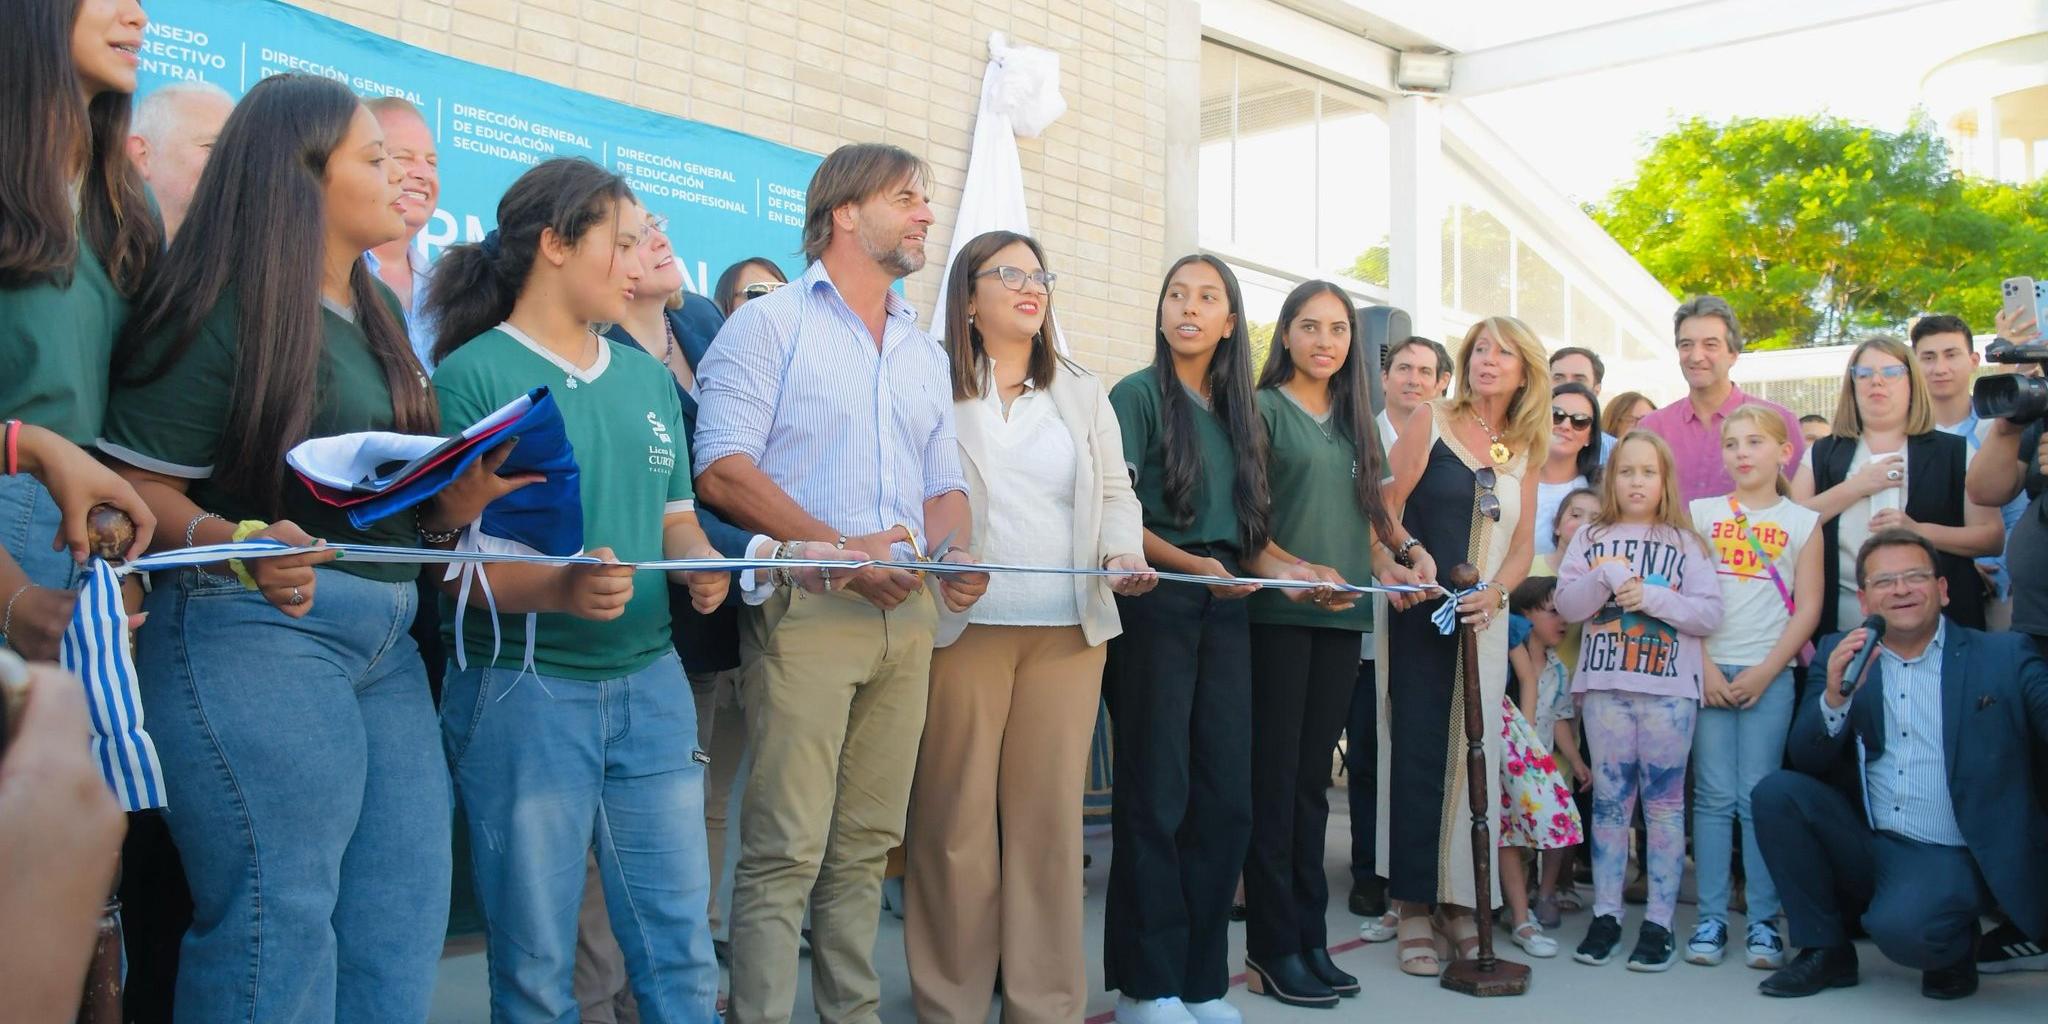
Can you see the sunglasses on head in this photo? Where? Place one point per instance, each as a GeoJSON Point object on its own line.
{"type": "Point", "coordinates": [1559, 417]}
{"type": "Point", "coordinates": [1489, 502]}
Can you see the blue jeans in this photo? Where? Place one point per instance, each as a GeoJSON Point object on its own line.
{"type": "Point", "coordinates": [545, 767]}
{"type": "Point", "coordinates": [28, 523]}
{"type": "Point", "coordinates": [305, 798]}
{"type": "Point", "coordinates": [1732, 751]}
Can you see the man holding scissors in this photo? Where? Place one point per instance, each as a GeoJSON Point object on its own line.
{"type": "Point", "coordinates": [827, 415]}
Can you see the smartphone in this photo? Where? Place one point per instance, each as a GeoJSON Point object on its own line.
{"type": "Point", "coordinates": [2041, 302]}
{"type": "Point", "coordinates": [2021, 294]}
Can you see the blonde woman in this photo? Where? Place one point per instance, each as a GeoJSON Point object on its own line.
{"type": "Point", "coordinates": [1463, 489]}
{"type": "Point", "coordinates": [1886, 465]}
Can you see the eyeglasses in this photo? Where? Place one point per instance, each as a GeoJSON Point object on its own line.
{"type": "Point", "coordinates": [1578, 420]}
{"type": "Point", "coordinates": [1489, 502]}
{"type": "Point", "coordinates": [1898, 580]}
{"type": "Point", "coordinates": [657, 222]}
{"type": "Point", "coordinates": [758, 289]}
{"type": "Point", "coordinates": [1893, 372]}
{"type": "Point", "coordinates": [1014, 278]}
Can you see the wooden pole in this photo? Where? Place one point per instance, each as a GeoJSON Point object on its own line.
{"type": "Point", "coordinates": [1485, 975]}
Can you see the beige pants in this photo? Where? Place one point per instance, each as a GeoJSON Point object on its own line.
{"type": "Point", "coordinates": [834, 691]}
{"type": "Point", "coordinates": [994, 869]}
{"type": "Point", "coordinates": [599, 976]}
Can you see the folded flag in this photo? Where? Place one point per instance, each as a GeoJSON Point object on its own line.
{"type": "Point", "coordinates": [377, 474]}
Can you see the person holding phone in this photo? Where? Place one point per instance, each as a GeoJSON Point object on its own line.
{"type": "Point", "coordinates": [1887, 466]}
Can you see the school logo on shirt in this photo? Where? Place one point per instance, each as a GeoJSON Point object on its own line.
{"type": "Point", "coordinates": [661, 458]}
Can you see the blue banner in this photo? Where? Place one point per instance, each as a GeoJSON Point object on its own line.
{"type": "Point", "coordinates": [728, 196]}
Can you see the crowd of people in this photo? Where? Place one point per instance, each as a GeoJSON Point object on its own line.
{"type": "Point", "coordinates": [1715, 614]}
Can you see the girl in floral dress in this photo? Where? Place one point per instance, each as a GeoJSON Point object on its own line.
{"type": "Point", "coordinates": [1536, 811]}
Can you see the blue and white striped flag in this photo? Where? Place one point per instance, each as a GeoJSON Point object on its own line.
{"type": "Point", "coordinates": [96, 648]}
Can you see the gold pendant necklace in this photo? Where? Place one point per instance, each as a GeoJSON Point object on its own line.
{"type": "Point", "coordinates": [1499, 450]}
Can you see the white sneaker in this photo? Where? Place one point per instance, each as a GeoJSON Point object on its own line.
{"type": "Point", "coordinates": [1152, 1011]}
{"type": "Point", "coordinates": [1379, 929]}
{"type": "Point", "coordinates": [1214, 1011]}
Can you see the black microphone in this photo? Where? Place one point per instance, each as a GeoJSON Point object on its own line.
{"type": "Point", "coordinates": [1859, 663]}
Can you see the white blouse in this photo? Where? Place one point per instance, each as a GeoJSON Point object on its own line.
{"type": "Point", "coordinates": [1029, 476]}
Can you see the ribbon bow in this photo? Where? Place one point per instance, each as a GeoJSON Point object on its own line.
{"type": "Point", "coordinates": [1446, 615]}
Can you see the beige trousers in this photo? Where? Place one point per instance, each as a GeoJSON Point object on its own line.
{"type": "Point", "coordinates": [994, 849]}
{"type": "Point", "coordinates": [834, 691]}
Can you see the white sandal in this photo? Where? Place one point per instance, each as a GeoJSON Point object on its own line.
{"type": "Point", "coordinates": [1529, 935]}
{"type": "Point", "coordinates": [1381, 928]}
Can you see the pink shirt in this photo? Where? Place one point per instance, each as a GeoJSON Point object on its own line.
{"type": "Point", "coordinates": [1696, 445]}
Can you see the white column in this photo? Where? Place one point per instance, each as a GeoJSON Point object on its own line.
{"type": "Point", "coordinates": [1415, 206]}
{"type": "Point", "coordinates": [1183, 127]}
{"type": "Point", "coordinates": [1986, 149]}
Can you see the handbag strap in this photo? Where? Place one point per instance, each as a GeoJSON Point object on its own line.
{"type": "Point", "coordinates": [1770, 566]}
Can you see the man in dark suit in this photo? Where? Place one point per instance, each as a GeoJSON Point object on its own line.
{"type": "Point", "coordinates": [1911, 798]}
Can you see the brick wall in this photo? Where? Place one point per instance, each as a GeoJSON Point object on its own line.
{"type": "Point", "coordinates": [818, 73]}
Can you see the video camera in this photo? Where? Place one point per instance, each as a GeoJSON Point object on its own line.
{"type": "Point", "coordinates": [2018, 397]}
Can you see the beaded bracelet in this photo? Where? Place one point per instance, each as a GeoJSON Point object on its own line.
{"type": "Point", "coordinates": [7, 620]}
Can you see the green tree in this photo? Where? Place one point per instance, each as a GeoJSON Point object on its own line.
{"type": "Point", "coordinates": [1816, 228]}
{"type": "Point", "coordinates": [1262, 342]}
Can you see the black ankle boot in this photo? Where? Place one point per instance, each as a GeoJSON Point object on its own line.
{"type": "Point", "coordinates": [1289, 980]}
{"type": "Point", "coordinates": [1320, 964]}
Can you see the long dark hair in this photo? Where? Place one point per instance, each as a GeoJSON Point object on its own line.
{"type": "Point", "coordinates": [475, 285]}
{"type": "Point", "coordinates": [257, 233]}
{"type": "Point", "coordinates": [1350, 410]}
{"type": "Point", "coordinates": [729, 282]}
{"type": "Point", "coordinates": [1588, 460]}
{"type": "Point", "coordinates": [1230, 397]}
{"type": "Point", "coordinates": [50, 143]}
{"type": "Point", "coordinates": [963, 338]}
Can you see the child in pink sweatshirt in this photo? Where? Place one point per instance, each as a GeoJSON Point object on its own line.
{"type": "Point", "coordinates": [1642, 581]}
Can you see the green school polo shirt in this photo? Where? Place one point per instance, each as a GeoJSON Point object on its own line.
{"type": "Point", "coordinates": [624, 422]}
{"type": "Point", "coordinates": [1310, 467]}
{"type": "Point", "coordinates": [1136, 401]}
{"type": "Point", "coordinates": [56, 344]}
{"type": "Point", "coordinates": [174, 425]}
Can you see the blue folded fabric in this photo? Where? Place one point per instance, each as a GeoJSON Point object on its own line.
{"type": "Point", "coordinates": [546, 517]}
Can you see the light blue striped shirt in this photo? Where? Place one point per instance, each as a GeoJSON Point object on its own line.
{"type": "Point", "coordinates": [858, 438]}
{"type": "Point", "coordinates": [1905, 789]}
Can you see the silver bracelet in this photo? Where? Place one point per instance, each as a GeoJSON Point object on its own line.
{"type": "Point", "coordinates": [7, 620]}
{"type": "Point", "coordinates": [192, 527]}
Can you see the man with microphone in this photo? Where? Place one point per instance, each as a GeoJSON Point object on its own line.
{"type": "Point", "coordinates": [1913, 799]}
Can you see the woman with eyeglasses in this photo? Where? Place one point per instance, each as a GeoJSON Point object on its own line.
{"type": "Point", "coordinates": [993, 869]}
{"type": "Point", "coordinates": [1574, 459]}
{"type": "Point", "coordinates": [1624, 412]}
{"type": "Point", "coordinates": [750, 278]}
{"type": "Point", "coordinates": [1886, 465]}
{"type": "Point", "coordinates": [1465, 490]}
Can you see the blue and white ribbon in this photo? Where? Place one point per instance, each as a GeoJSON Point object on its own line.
{"type": "Point", "coordinates": [96, 641]}
{"type": "Point", "coordinates": [1446, 615]}
{"type": "Point", "coordinates": [95, 647]}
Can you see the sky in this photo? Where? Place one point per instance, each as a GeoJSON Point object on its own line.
{"type": "Point", "coordinates": [1586, 132]}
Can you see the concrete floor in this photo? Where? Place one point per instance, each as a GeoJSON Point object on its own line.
{"type": "Point", "coordinates": [1561, 991]}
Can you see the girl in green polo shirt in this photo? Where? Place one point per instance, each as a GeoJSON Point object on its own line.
{"type": "Point", "coordinates": [77, 239]}
{"type": "Point", "coordinates": [1324, 465]}
{"type": "Point", "coordinates": [1178, 681]}
{"type": "Point", "coordinates": [288, 703]}
{"type": "Point", "coordinates": [592, 740]}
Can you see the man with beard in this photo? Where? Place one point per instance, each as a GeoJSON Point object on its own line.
{"type": "Point", "coordinates": [827, 415]}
